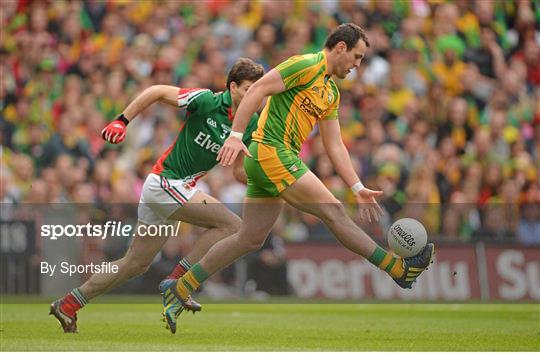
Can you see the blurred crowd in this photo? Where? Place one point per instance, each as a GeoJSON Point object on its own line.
{"type": "Point", "coordinates": [443, 115]}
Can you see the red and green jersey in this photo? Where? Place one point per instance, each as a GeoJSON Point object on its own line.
{"type": "Point", "coordinates": [311, 95]}
{"type": "Point", "coordinates": [207, 126]}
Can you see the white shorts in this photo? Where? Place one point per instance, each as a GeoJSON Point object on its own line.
{"type": "Point", "coordinates": [161, 197]}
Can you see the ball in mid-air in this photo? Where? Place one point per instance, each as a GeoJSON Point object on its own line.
{"type": "Point", "coordinates": [407, 237]}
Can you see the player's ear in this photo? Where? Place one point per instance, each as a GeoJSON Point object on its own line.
{"type": "Point", "coordinates": [233, 86]}
{"type": "Point", "coordinates": [340, 46]}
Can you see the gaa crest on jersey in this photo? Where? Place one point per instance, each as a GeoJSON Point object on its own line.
{"type": "Point", "coordinates": [211, 122]}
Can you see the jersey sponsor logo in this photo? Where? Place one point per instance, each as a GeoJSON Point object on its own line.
{"type": "Point", "coordinates": [205, 142]}
{"type": "Point", "coordinates": [211, 122]}
{"type": "Point", "coordinates": [310, 108]}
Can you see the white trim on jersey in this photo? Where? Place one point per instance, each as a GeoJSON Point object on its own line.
{"type": "Point", "coordinates": [185, 98]}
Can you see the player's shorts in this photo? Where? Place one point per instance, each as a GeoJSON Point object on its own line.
{"type": "Point", "coordinates": [161, 197]}
{"type": "Point", "coordinates": [271, 170]}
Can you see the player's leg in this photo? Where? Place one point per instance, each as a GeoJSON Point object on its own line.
{"type": "Point", "coordinates": [310, 195]}
{"type": "Point", "coordinates": [204, 211]}
{"type": "Point", "coordinates": [261, 209]}
{"type": "Point", "coordinates": [136, 261]}
{"type": "Point", "coordinates": [259, 215]}
{"type": "Point", "coordinates": [161, 198]}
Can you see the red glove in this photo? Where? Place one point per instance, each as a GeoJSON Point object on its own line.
{"type": "Point", "coordinates": [115, 132]}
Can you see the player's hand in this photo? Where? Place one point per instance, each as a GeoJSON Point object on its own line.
{"type": "Point", "coordinates": [115, 132]}
{"type": "Point", "coordinates": [228, 153]}
{"type": "Point", "coordinates": [369, 208]}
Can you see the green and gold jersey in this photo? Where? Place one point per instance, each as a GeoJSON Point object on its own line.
{"type": "Point", "coordinates": [208, 125]}
{"type": "Point", "coordinates": [311, 95]}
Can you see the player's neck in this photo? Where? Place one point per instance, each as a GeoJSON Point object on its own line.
{"type": "Point", "coordinates": [234, 107]}
{"type": "Point", "coordinates": [330, 60]}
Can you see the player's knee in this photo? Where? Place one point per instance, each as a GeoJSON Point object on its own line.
{"type": "Point", "coordinates": [230, 226]}
{"type": "Point", "coordinates": [140, 268]}
{"type": "Point", "coordinates": [254, 245]}
{"type": "Point", "coordinates": [233, 225]}
{"type": "Point", "coordinates": [137, 267]}
{"type": "Point", "coordinates": [251, 243]}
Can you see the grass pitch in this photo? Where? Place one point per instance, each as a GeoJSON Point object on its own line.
{"type": "Point", "coordinates": [283, 327]}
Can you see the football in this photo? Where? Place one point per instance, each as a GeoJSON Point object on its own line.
{"type": "Point", "coordinates": [407, 237]}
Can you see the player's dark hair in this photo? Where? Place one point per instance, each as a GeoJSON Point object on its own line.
{"type": "Point", "coordinates": [244, 69]}
{"type": "Point", "coordinates": [348, 33]}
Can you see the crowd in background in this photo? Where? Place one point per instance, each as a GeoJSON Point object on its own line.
{"type": "Point", "coordinates": [443, 115]}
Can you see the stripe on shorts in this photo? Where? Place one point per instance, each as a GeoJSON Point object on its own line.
{"type": "Point", "coordinates": [172, 191]}
{"type": "Point", "coordinates": [272, 166]}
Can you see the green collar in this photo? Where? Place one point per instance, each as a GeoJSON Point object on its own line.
{"type": "Point", "coordinates": [226, 98]}
{"type": "Point", "coordinates": [326, 75]}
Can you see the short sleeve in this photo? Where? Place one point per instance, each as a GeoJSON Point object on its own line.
{"type": "Point", "coordinates": [193, 99]}
{"type": "Point", "coordinates": [299, 70]}
{"type": "Point", "coordinates": [332, 111]}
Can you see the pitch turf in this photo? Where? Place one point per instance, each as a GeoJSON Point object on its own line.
{"type": "Point", "coordinates": [285, 327]}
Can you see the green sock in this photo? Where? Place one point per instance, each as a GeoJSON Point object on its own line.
{"type": "Point", "coordinates": [390, 264]}
{"type": "Point", "coordinates": [191, 280]}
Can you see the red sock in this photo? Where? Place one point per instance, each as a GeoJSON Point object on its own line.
{"type": "Point", "coordinates": [178, 272]}
{"type": "Point", "coordinates": [180, 269]}
{"type": "Point", "coordinates": [70, 305]}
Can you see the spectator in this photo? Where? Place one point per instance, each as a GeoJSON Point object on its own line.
{"type": "Point", "coordinates": [65, 141]}
{"type": "Point", "coordinates": [528, 231]}
{"type": "Point", "coordinates": [489, 56]}
{"type": "Point", "coordinates": [450, 68]}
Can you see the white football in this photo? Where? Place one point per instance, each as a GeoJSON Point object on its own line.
{"type": "Point", "coordinates": [407, 237]}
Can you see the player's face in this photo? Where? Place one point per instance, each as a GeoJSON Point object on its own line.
{"type": "Point", "coordinates": [238, 91]}
{"type": "Point", "coordinates": [349, 59]}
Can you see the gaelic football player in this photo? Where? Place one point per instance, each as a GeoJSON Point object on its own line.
{"type": "Point", "coordinates": [302, 94]}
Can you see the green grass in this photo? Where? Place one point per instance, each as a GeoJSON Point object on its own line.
{"type": "Point", "coordinates": [285, 327]}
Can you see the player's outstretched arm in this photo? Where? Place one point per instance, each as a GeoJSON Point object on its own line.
{"type": "Point", "coordinates": [269, 84]}
{"type": "Point", "coordinates": [339, 156]}
{"type": "Point", "coordinates": [115, 132]}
